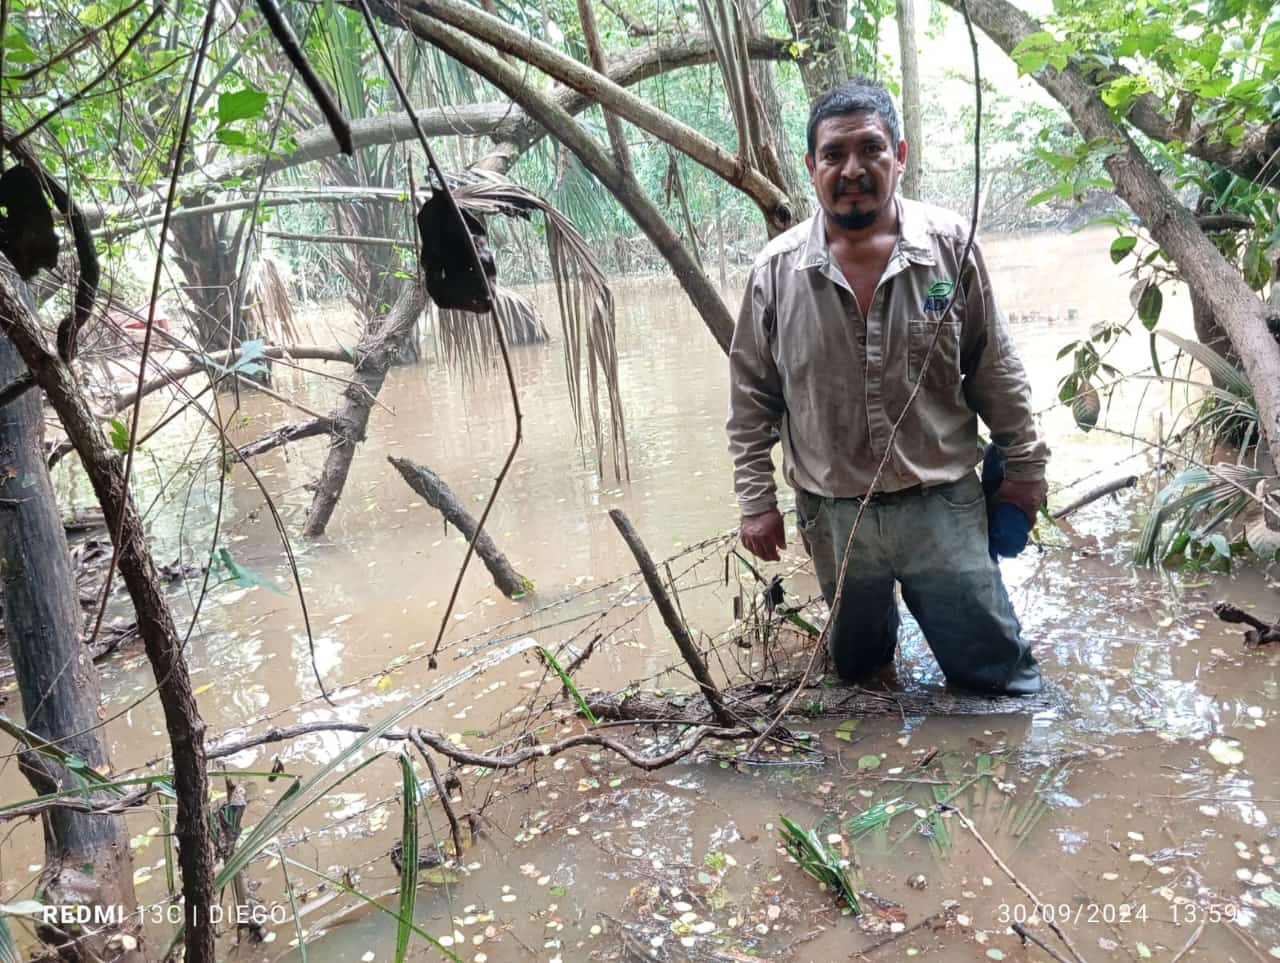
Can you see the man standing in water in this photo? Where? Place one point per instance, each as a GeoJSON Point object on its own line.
{"type": "Point", "coordinates": [837, 325]}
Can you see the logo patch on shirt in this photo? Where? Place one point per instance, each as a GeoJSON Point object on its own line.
{"type": "Point", "coordinates": [936, 296]}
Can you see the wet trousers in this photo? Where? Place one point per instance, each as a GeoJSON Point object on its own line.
{"type": "Point", "coordinates": [933, 541]}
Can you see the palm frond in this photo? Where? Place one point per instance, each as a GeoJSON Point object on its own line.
{"type": "Point", "coordinates": [1222, 370]}
{"type": "Point", "coordinates": [586, 306]}
{"type": "Point", "coordinates": [469, 343]}
{"type": "Point", "coordinates": [1196, 493]}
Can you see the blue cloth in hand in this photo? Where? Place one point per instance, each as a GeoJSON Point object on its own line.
{"type": "Point", "coordinates": [1007, 526]}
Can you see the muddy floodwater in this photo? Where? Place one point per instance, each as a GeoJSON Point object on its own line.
{"type": "Point", "coordinates": [1141, 808]}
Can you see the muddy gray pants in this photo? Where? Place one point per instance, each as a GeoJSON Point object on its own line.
{"type": "Point", "coordinates": [934, 542]}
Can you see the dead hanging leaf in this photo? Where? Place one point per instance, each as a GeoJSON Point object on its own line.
{"type": "Point", "coordinates": [27, 238]}
{"type": "Point", "coordinates": [1263, 541]}
{"type": "Point", "coordinates": [456, 259]}
{"type": "Point", "coordinates": [1086, 406]}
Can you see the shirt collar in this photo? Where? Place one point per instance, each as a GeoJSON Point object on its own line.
{"type": "Point", "coordinates": [913, 238]}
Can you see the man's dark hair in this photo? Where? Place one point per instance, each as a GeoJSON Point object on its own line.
{"type": "Point", "coordinates": [855, 96]}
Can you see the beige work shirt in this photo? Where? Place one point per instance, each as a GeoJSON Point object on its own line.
{"type": "Point", "coordinates": [808, 368]}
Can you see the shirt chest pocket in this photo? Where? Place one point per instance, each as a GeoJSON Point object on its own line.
{"type": "Point", "coordinates": [944, 364]}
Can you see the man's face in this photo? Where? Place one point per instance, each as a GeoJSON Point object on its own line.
{"type": "Point", "coordinates": [855, 168]}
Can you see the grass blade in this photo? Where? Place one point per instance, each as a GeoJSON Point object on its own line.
{"type": "Point", "coordinates": [568, 684]}
{"type": "Point", "coordinates": [293, 904]}
{"type": "Point", "coordinates": [408, 857]}
{"type": "Point", "coordinates": [375, 904]}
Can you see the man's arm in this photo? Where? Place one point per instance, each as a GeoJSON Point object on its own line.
{"type": "Point", "coordinates": [755, 414]}
{"type": "Point", "coordinates": [996, 387]}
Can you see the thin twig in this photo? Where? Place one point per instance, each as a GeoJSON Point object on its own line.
{"type": "Point", "coordinates": [415, 736]}
{"type": "Point", "coordinates": [1026, 935]}
{"type": "Point", "coordinates": [1192, 940]}
{"type": "Point", "coordinates": [1000, 863]}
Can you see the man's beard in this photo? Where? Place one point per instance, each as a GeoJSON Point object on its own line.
{"type": "Point", "coordinates": [855, 220]}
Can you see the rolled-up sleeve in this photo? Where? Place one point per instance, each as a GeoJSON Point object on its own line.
{"type": "Point", "coordinates": [755, 398]}
{"type": "Point", "coordinates": [995, 382]}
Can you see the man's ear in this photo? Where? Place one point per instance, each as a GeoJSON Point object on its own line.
{"type": "Point", "coordinates": [808, 163]}
{"type": "Point", "coordinates": [902, 156]}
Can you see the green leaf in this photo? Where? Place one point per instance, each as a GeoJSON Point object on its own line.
{"type": "Point", "coordinates": [844, 731]}
{"type": "Point", "coordinates": [119, 435]}
{"type": "Point", "coordinates": [245, 577]}
{"type": "Point", "coordinates": [1085, 407]}
{"type": "Point", "coordinates": [1257, 270]}
{"type": "Point", "coordinates": [568, 684]}
{"type": "Point", "coordinates": [246, 104]}
{"type": "Point", "coordinates": [8, 948]}
{"type": "Point", "coordinates": [231, 138]}
{"type": "Point", "coordinates": [1149, 305]}
{"type": "Point", "coordinates": [1121, 247]}
{"type": "Point", "coordinates": [869, 761]}
{"type": "Point", "coordinates": [408, 856]}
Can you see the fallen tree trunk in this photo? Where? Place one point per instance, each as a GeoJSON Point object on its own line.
{"type": "Point", "coordinates": [836, 702]}
{"type": "Point", "coordinates": [379, 348]}
{"type": "Point", "coordinates": [440, 497]}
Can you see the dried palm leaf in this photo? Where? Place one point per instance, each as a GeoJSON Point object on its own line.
{"type": "Point", "coordinates": [270, 311]}
{"type": "Point", "coordinates": [469, 343]}
{"type": "Point", "coordinates": [586, 306]}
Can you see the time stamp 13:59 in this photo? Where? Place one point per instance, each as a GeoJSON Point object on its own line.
{"type": "Point", "coordinates": [1115, 913]}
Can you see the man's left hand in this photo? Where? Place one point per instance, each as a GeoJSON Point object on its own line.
{"type": "Point", "coordinates": [1027, 495]}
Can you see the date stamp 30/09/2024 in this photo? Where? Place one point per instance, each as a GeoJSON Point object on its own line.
{"type": "Point", "coordinates": [1116, 914]}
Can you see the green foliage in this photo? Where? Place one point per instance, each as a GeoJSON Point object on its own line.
{"type": "Point", "coordinates": [819, 861]}
{"type": "Point", "coordinates": [408, 857]}
{"type": "Point", "coordinates": [1079, 388]}
{"type": "Point", "coordinates": [569, 686]}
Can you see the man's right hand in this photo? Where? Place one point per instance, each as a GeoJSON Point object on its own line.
{"type": "Point", "coordinates": [762, 535]}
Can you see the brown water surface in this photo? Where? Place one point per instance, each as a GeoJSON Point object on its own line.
{"type": "Point", "coordinates": [1112, 808]}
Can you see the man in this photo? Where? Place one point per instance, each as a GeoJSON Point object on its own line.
{"type": "Point", "coordinates": [837, 325]}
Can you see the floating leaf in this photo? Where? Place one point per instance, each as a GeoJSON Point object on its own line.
{"type": "Point", "coordinates": [844, 731]}
{"type": "Point", "coordinates": [1226, 751]}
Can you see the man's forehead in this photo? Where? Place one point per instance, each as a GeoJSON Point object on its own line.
{"type": "Point", "coordinates": [859, 125]}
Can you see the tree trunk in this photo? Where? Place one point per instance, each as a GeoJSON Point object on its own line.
{"type": "Point", "coordinates": [821, 27]}
{"type": "Point", "coordinates": [912, 128]}
{"type": "Point", "coordinates": [104, 467]}
{"type": "Point", "coordinates": [86, 856]}
{"type": "Point", "coordinates": [210, 266]}
{"type": "Point", "coordinates": [1240, 312]}
{"type": "Point", "coordinates": [377, 351]}
{"type": "Point", "coordinates": [440, 497]}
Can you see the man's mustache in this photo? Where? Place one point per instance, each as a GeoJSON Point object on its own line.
{"type": "Point", "coordinates": [863, 185]}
